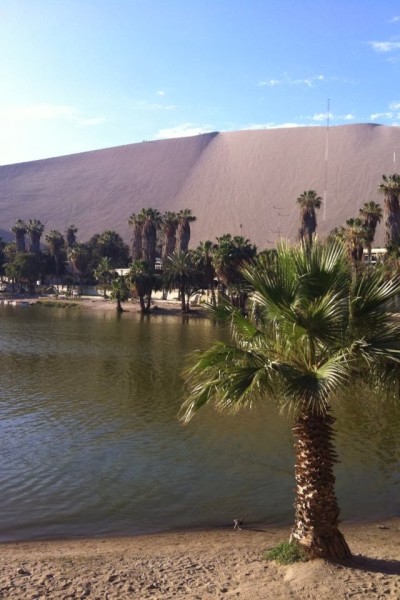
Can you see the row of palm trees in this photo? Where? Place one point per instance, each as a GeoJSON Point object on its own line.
{"type": "Point", "coordinates": [149, 225]}
{"type": "Point", "coordinates": [35, 228]}
{"type": "Point", "coordinates": [359, 232]}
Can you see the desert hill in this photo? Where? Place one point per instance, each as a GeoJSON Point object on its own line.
{"type": "Point", "coordinates": [243, 182]}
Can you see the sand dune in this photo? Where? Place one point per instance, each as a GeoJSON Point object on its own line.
{"type": "Point", "coordinates": [240, 182]}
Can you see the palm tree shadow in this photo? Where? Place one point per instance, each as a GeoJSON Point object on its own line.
{"type": "Point", "coordinates": [374, 565]}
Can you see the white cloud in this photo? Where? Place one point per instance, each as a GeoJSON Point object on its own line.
{"type": "Point", "coordinates": [160, 93]}
{"type": "Point", "coordinates": [45, 112]}
{"type": "Point", "coordinates": [183, 130]}
{"type": "Point", "coordinates": [287, 125]}
{"type": "Point", "coordinates": [385, 46]}
{"type": "Point", "coordinates": [288, 81]}
{"type": "Point", "coordinates": [322, 116]}
{"type": "Point", "coordinates": [394, 106]}
{"type": "Point", "coordinates": [382, 115]}
{"type": "Point", "coordinates": [152, 106]}
{"type": "Point", "coordinates": [395, 20]}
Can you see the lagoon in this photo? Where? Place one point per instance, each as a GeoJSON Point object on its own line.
{"type": "Point", "coordinates": [91, 444]}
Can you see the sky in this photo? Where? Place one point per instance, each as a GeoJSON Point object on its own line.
{"type": "Point", "coordinates": [78, 75]}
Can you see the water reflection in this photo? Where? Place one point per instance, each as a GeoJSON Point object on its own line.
{"type": "Point", "coordinates": [90, 442]}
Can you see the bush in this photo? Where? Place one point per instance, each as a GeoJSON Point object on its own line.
{"type": "Point", "coordinates": [286, 553]}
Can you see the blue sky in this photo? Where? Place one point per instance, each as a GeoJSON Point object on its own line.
{"type": "Point", "coordinates": [79, 75]}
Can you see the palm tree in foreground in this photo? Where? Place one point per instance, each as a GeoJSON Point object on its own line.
{"type": "Point", "coordinates": [313, 329]}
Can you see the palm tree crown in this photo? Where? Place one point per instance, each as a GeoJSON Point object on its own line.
{"type": "Point", "coordinates": [20, 229]}
{"type": "Point", "coordinates": [314, 328]}
{"type": "Point", "coordinates": [185, 217]}
{"type": "Point", "coordinates": [35, 230]}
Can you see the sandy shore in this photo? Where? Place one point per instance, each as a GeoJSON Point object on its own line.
{"type": "Point", "coordinates": [200, 565]}
{"type": "Point", "coordinates": [98, 303]}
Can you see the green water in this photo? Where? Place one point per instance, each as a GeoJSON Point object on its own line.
{"type": "Point", "coordinates": [91, 445]}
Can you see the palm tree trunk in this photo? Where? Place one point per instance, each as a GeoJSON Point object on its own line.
{"type": "Point", "coordinates": [316, 507]}
{"type": "Point", "coordinates": [182, 290]}
{"type": "Point", "coordinates": [392, 222]}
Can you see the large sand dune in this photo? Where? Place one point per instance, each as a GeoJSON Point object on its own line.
{"type": "Point", "coordinates": [239, 182]}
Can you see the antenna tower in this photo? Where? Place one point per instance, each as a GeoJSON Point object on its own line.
{"type": "Point", "coordinates": [326, 155]}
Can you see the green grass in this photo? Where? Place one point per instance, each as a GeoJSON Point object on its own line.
{"type": "Point", "coordinates": [286, 553]}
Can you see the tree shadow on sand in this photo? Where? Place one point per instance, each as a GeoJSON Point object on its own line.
{"type": "Point", "coordinates": [374, 565]}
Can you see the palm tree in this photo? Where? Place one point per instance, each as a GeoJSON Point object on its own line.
{"type": "Point", "coordinates": [372, 214]}
{"type": "Point", "coordinates": [315, 328]}
{"type": "Point", "coordinates": [142, 278]}
{"type": "Point", "coordinates": [390, 187]}
{"type": "Point", "coordinates": [55, 242]}
{"type": "Point", "coordinates": [203, 260]}
{"type": "Point", "coordinates": [136, 222]}
{"type": "Point", "coordinates": [120, 292]}
{"type": "Point", "coordinates": [356, 236]}
{"type": "Point", "coordinates": [185, 217]}
{"type": "Point", "coordinates": [35, 231]}
{"type": "Point", "coordinates": [104, 273]}
{"type": "Point", "coordinates": [169, 226]}
{"type": "Point", "coordinates": [229, 256]}
{"type": "Point", "coordinates": [79, 257]}
{"type": "Point", "coordinates": [151, 222]}
{"type": "Point", "coordinates": [20, 229]}
{"type": "Point", "coordinates": [70, 235]}
{"type": "Point", "coordinates": [179, 273]}
{"type": "Point", "coordinates": [308, 201]}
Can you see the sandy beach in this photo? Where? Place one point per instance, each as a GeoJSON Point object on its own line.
{"type": "Point", "coordinates": [200, 565]}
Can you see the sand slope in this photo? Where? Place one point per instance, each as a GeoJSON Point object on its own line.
{"type": "Point", "coordinates": [240, 182]}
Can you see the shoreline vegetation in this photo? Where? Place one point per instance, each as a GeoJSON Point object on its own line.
{"type": "Point", "coordinates": [197, 565]}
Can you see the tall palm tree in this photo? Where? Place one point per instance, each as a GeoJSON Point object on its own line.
{"type": "Point", "coordinates": [169, 226]}
{"type": "Point", "coordinates": [55, 242]}
{"type": "Point", "coordinates": [390, 188]}
{"type": "Point", "coordinates": [185, 217]}
{"type": "Point", "coordinates": [151, 222]}
{"type": "Point", "coordinates": [136, 222]}
{"type": "Point", "coordinates": [372, 214]}
{"type": "Point", "coordinates": [70, 235]}
{"type": "Point", "coordinates": [316, 328]}
{"type": "Point", "coordinates": [356, 235]}
{"type": "Point", "coordinates": [35, 230]}
{"type": "Point", "coordinates": [79, 257]}
{"type": "Point", "coordinates": [309, 202]}
{"type": "Point", "coordinates": [20, 229]}
{"type": "Point", "coordinates": [203, 261]}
